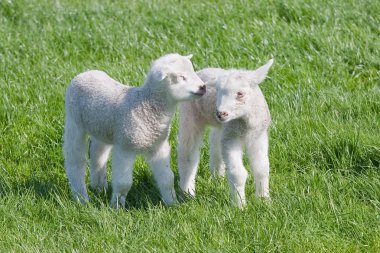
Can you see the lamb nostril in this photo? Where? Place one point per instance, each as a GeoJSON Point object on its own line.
{"type": "Point", "coordinates": [221, 114]}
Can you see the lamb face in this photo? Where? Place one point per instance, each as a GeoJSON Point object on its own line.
{"type": "Point", "coordinates": [235, 92]}
{"type": "Point", "coordinates": [178, 78]}
{"type": "Point", "coordinates": [233, 95]}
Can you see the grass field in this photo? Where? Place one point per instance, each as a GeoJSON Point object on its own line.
{"type": "Point", "coordinates": [323, 92]}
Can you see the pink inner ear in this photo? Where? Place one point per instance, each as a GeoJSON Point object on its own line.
{"type": "Point", "coordinates": [261, 73]}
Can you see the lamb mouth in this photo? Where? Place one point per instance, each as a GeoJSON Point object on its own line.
{"type": "Point", "coordinates": [222, 119]}
{"type": "Point", "coordinates": [198, 93]}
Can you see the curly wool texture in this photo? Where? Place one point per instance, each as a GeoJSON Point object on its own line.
{"type": "Point", "coordinates": [130, 120]}
{"type": "Point", "coordinates": [236, 109]}
{"type": "Point", "coordinates": [136, 118]}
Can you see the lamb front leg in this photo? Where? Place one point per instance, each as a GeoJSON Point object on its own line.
{"type": "Point", "coordinates": [189, 142]}
{"type": "Point", "coordinates": [164, 176]}
{"type": "Point", "coordinates": [122, 171]}
{"type": "Point", "coordinates": [258, 157]}
{"type": "Point", "coordinates": [99, 153]}
{"type": "Point", "coordinates": [217, 166]}
{"type": "Point", "coordinates": [232, 151]}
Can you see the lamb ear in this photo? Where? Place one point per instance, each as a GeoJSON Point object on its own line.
{"type": "Point", "coordinates": [171, 78]}
{"type": "Point", "coordinates": [260, 74]}
{"type": "Point", "coordinates": [161, 75]}
{"type": "Point", "coordinates": [189, 56]}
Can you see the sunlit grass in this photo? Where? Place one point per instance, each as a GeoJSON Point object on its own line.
{"type": "Point", "coordinates": [323, 92]}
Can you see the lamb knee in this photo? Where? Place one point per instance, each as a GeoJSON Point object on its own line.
{"type": "Point", "coordinates": [237, 178]}
{"type": "Point", "coordinates": [99, 153]}
{"type": "Point", "coordinates": [165, 182]}
{"type": "Point", "coordinates": [260, 167]}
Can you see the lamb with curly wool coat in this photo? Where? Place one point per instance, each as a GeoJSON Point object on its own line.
{"type": "Point", "coordinates": [237, 111]}
{"type": "Point", "coordinates": [130, 120]}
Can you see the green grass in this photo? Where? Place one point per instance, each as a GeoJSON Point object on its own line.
{"type": "Point", "coordinates": [323, 92]}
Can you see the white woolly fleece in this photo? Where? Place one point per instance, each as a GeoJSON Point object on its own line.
{"type": "Point", "coordinates": [243, 121]}
{"type": "Point", "coordinates": [132, 120]}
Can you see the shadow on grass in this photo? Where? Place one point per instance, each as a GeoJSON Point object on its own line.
{"type": "Point", "coordinates": [34, 187]}
{"type": "Point", "coordinates": [143, 195]}
{"type": "Point", "coordinates": [347, 154]}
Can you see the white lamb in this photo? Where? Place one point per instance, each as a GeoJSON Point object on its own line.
{"type": "Point", "coordinates": [236, 109]}
{"type": "Point", "coordinates": [131, 120]}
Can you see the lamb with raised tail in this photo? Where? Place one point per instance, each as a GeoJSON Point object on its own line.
{"type": "Point", "coordinates": [236, 109]}
{"type": "Point", "coordinates": [130, 120]}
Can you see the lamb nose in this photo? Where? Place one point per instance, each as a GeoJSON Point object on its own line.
{"type": "Point", "coordinates": [221, 114]}
{"type": "Point", "coordinates": [202, 87]}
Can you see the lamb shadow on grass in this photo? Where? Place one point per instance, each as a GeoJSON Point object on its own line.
{"type": "Point", "coordinates": [143, 194]}
{"type": "Point", "coordinates": [41, 188]}
{"type": "Point", "coordinates": [34, 186]}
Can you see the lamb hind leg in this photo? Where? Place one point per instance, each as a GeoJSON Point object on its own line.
{"type": "Point", "coordinates": [258, 157]}
{"type": "Point", "coordinates": [75, 149]}
{"type": "Point", "coordinates": [190, 140]}
{"type": "Point", "coordinates": [99, 153]}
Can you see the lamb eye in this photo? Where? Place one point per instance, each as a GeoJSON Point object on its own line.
{"type": "Point", "coordinates": [183, 78]}
{"type": "Point", "coordinates": [239, 94]}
